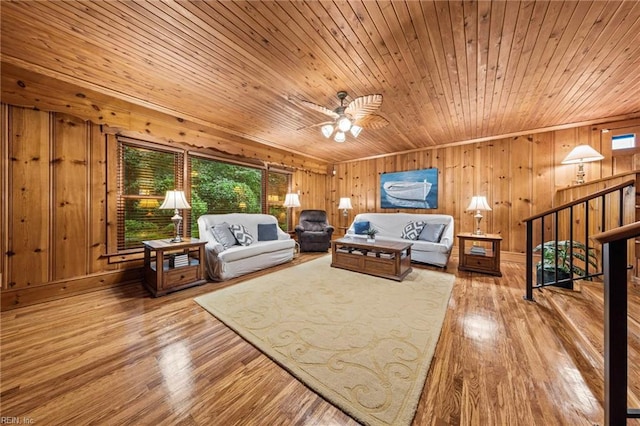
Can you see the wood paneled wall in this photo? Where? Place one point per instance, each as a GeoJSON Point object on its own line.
{"type": "Point", "coordinates": [54, 208]}
{"type": "Point", "coordinates": [519, 176]}
{"type": "Point", "coordinates": [56, 195]}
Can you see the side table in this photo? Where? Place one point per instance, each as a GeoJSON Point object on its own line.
{"type": "Point", "coordinates": [482, 256]}
{"type": "Point", "coordinates": [174, 266]}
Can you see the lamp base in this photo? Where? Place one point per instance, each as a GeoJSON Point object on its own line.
{"type": "Point", "coordinates": [478, 217]}
{"type": "Point", "coordinates": [177, 220]}
{"type": "Point", "coordinates": [580, 176]}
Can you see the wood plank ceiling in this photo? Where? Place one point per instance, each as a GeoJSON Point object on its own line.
{"type": "Point", "coordinates": [449, 71]}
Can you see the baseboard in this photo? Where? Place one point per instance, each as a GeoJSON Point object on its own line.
{"type": "Point", "coordinates": [17, 298]}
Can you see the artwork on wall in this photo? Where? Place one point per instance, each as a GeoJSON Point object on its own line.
{"type": "Point", "coordinates": [416, 189]}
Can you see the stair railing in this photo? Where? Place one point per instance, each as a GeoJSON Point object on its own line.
{"type": "Point", "coordinates": [614, 249]}
{"type": "Point", "coordinates": [561, 212]}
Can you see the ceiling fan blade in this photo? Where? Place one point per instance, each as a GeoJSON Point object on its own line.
{"type": "Point", "coordinates": [364, 105]}
{"type": "Point", "coordinates": [316, 125]}
{"type": "Point", "coordinates": [320, 108]}
{"type": "Point", "coordinates": [372, 121]}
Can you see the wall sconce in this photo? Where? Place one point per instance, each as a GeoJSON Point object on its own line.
{"type": "Point", "coordinates": [175, 200]}
{"type": "Point", "coordinates": [579, 155]}
{"type": "Point", "coordinates": [479, 204]}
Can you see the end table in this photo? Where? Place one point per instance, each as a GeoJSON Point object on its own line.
{"type": "Point", "coordinates": [162, 275]}
{"type": "Point", "coordinates": [482, 256]}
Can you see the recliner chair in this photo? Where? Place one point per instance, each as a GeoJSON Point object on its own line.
{"type": "Point", "coordinates": [314, 231]}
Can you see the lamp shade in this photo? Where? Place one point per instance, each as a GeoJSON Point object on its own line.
{"type": "Point", "coordinates": [478, 202]}
{"type": "Point", "coordinates": [345, 203]}
{"type": "Point", "coordinates": [291, 200]}
{"type": "Point", "coordinates": [582, 154]}
{"type": "Point", "coordinates": [175, 200]}
{"type": "Point", "coordinates": [327, 130]}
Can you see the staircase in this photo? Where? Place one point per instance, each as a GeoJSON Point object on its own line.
{"type": "Point", "coordinates": [578, 316]}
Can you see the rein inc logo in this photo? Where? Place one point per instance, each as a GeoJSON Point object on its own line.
{"type": "Point", "coordinates": [16, 421]}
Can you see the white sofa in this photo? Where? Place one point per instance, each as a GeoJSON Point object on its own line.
{"type": "Point", "coordinates": [224, 263]}
{"type": "Point", "coordinates": [391, 225]}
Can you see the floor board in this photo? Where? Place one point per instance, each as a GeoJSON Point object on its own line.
{"type": "Point", "coordinates": [120, 356]}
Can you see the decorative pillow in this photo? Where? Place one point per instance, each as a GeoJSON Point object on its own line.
{"type": "Point", "coordinates": [361, 227]}
{"type": "Point", "coordinates": [412, 230]}
{"type": "Point", "coordinates": [242, 235]}
{"type": "Point", "coordinates": [223, 235]}
{"type": "Point", "coordinates": [432, 232]}
{"type": "Point", "coordinates": [267, 232]}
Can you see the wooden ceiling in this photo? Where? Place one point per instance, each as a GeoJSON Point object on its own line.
{"type": "Point", "coordinates": [449, 71]}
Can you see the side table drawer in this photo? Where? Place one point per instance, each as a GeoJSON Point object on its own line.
{"type": "Point", "coordinates": [180, 276]}
{"type": "Point", "coordinates": [480, 262]}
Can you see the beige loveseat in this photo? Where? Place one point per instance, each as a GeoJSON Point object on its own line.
{"type": "Point", "coordinates": [227, 258]}
{"type": "Point", "coordinates": [433, 246]}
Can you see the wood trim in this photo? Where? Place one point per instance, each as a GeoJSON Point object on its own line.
{"type": "Point", "coordinates": [621, 233]}
{"type": "Point", "coordinates": [5, 125]}
{"type": "Point", "coordinates": [17, 298]}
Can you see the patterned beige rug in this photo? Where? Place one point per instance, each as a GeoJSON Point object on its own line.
{"type": "Point", "coordinates": [361, 342]}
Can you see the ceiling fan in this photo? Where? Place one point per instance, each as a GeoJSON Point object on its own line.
{"type": "Point", "coordinates": [357, 115]}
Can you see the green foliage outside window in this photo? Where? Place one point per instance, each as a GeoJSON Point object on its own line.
{"type": "Point", "coordinates": [218, 187]}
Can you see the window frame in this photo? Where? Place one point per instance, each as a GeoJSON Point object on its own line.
{"type": "Point", "coordinates": [183, 181]}
{"type": "Point", "coordinates": [121, 197]}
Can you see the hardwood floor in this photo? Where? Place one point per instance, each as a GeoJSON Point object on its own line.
{"type": "Point", "coordinates": [119, 356]}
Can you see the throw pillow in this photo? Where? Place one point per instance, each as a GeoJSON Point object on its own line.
{"type": "Point", "coordinates": [267, 232]}
{"type": "Point", "coordinates": [361, 227]}
{"type": "Point", "coordinates": [242, 235]}
{"type": "Point", "coordinates": [412, 230]}
{"type": "Point", "coordinates": [432, 232]}
{"type": "Point", "coordinates": [223, 234]}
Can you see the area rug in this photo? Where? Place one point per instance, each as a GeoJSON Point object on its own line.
{"type": "Point", "coordinates": [361, 342]}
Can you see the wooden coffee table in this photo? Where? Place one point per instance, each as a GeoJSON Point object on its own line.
{"type": "Point", "coordinates": [384, 259]}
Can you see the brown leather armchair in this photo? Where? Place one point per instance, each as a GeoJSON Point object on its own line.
{"type": "Point", "coordinates": [314, 231]}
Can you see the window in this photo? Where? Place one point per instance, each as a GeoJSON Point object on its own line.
{"type": "Point", "coordinates": [623, 141]}
{"type": "Point", "coordinates": [277, 189]}
{"type": "Point", "coordinates": [219, 187]}
{"type": "Point", "coordinates": [146, 171]}
{"type": "Point", "coordinates": [145, 174]}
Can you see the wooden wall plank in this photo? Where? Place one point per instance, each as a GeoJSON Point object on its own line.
{"type": "Point", "coordinates": [97, 199]}
{"type": "Point", "coordinates": [70, 179]}
{"type": "Point", "coordinates": [500, 182]}
{"type": "Point", "coordinates": [28, 198]}
{"type": "Point", "coordinates": [521, 190]}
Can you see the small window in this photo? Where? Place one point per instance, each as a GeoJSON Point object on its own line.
{"type": "Point", "coordinates": [623, 141]}
{"type": "Point", "coordinates": [145, 176]}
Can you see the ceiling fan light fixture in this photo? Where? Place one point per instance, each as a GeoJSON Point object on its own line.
{"type": "Point", "coordinates": [340, 137]}
{"type": "Point", "coordinates": [327, 130]}
{"type": "Point", "coordinates": [355, 130]}
{"type": "Point", "coordinates": [344, 124]}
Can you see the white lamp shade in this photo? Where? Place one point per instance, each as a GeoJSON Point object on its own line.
{"type": "Point", "coordinates": [345, 203]}
{"type": "Point", "coordinates": [339, 137]}
{"type": "Point", "coordinates": [292, 200]}
{"type": "Point", "coordinates": [582, 154]}
{"type": "Point", "coordinates": [355, 130]}
{"type": "Point", "coordinates": [327, 130]}
{"type": "Point", "coordinates": [478, 202]}
{"type": "Point", "coordinates": [175, 200]}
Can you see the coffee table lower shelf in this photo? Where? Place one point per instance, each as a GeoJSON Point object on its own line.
{"type": "Point", "coordinates": [384, 259]}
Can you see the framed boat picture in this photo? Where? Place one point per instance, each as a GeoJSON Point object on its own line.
{"type": "Point", "coordinates": [415, 189]}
